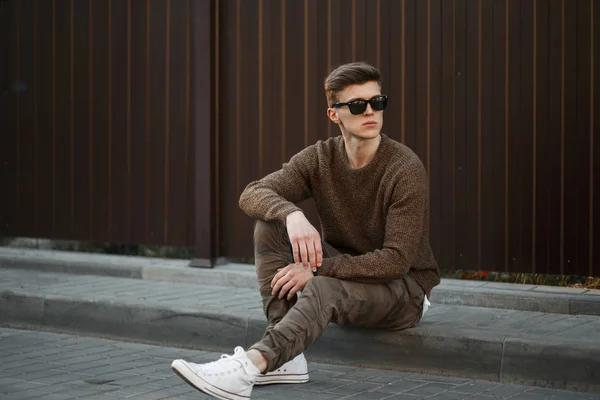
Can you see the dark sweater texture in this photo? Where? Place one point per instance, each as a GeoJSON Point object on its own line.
{"type": "Point", "coordinates": [377, 216]}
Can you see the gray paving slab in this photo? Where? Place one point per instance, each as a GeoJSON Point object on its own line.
{"type": "Point", "coordinates": [450, 291]}
{"type": "Point", "coordinates": [327, 381]}
{"type": "Point", "coordinates": [503, 345]}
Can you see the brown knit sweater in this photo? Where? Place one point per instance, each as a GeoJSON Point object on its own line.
{"type": "Point", "coordinates": [377, 216]}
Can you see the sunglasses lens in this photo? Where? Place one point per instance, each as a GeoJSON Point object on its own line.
{"type": "Point", "coordinates": [358, 107]}
{"type": "Point", "coordinates": [378, 103]}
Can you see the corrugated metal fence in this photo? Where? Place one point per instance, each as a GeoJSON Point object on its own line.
{"type": "Point", "coordinates": [142, 121]}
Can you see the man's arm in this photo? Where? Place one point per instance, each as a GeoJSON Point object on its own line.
{"type": "Point", "coordinates": [403, 232]}
{"type": "Point", "coordinates": [273, 197]}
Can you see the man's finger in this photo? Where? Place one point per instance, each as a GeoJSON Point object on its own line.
{"type": "Point", "coordinates": [285, 288]}
{"type": "Point", "coordinates": [280, 282]}
{"type": "Point", "coordinates": [312, 254]}
{"type": "Point", "coordinates": [304, 253]}
{"type": "Point", "coordinates": [278, 276]}
{"type": "Point", "coordinates": [295, 251]}
{"type": "Point", "coordinates": [293, 292]}
{"type": "Point", "coordinates": [319, 251]}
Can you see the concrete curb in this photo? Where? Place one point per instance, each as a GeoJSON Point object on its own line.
{"type": "Point", "coordinates": [572, 365]}
{"type": "Point", "coordinates": [453, 292]}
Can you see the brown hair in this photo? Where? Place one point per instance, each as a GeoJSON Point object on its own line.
{"type": "Point", "coordinates": [349, 74]}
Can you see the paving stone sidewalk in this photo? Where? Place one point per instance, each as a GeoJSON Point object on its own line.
{"type": "Point", "coordinates": [49, 366]}
{"type": "Point", "coordinates": [246, 302]}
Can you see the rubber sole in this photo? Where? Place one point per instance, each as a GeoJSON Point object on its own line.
{"type": "Point", "coordinates": [201, 385]}
{"type": "Point", "coordinates": [273, 379]}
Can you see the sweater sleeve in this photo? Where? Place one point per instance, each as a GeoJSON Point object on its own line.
{"type": "Point", "coordinates": [404, 226]}
{"type": "Point", "coordinates": [274, 196]}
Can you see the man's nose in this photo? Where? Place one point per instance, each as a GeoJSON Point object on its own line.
{"type": "Point", "coordinates": [369, 110]}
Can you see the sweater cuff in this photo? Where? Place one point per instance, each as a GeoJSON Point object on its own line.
{"type": "Point", "coordinates": [326, 268]}
{"type": "Point", "coordinates": [287, 210]}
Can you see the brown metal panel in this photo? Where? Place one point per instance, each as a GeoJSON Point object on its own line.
{"type": "Point", "coordinates": [554, 140]}
{"type": "Point", "coordinates": [320, 41]}
{"type": "Point", "coordinates": [138, 120]}
{"type": "Point", "coordinates": [470, 215]}
{"type": "Point", "coordinates": [337, 40]}
{"type": "Point", "coordinates": [435, 128]}
{"type": "Point", "coordinates": [462, 246]}
{"type": "Point", "coordinates": [581, 153]}
{"type": "Point", "coordinates": [45, 160]}
{"type": "Point", "coordinates": [385, 52]}
{"type": "Point", "coordinates": [118, 121]}
{"type": "Point", "coordinates": [446, 249]}
{"type": "Point", "coordinates": [360, 23]}
{"type": "Point", "coordinates": [524, 153]}
{"type": "Point", "coordinates": [515, 134]}
{"type": "Point", "coordinates": [294, 61]}
{"type": "Point", "coordinates": [247, 146]}
{"type": "Point", "coordinates": [202, 126]}
{"type": "Point", "coordinates": [8, 116]}
{"type": "Point", "coordinates": [157, 118]}
{"type": "Point", "coordinates": [594, 269]}
{"type": "Point", "coordinates": [409, 118]}
{"type": "Point", "coordinates": [420, 136]}
{"type": "Point", "coordinates": [101, 133]}
{"type": "Point", "coordinates": [190, 150]}
{"type": "Point", "coordinates": [228, 121]}
{"type": "Point", "coordinates": [81, 111]}
{"type": "Point", "coordinates": [573, 159]}
{"type": "Point", "coordinates": [489, 75]}
{"type": "Point", "coordinates": [62, 123]}
{"type": "Point", "coordinates": [345, 32]}
{"type": "Point", "coordinates": [394, 84]}
{"type": "Point", "coordinates": [543, 114]}
{"type": "Point", "coordinates": [177, 211]}
{"type": "Point", "coordinates": [370, 32]}
{"type": "Point", "coordinates": [25, 193]}
{"type": "Point", "coordinates": [272, 88]}
{"type": "Point", "coordinates": [314, 103]}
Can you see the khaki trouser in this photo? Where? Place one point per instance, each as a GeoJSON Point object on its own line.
{"type": "Point", "coordinates": [296, 324]}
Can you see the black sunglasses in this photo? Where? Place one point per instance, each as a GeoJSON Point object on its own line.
{"type": "Point", "coordinates": [378, 103]}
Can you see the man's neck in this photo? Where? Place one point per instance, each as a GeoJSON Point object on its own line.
{"type": "Point", "coordinates": [360, 152]}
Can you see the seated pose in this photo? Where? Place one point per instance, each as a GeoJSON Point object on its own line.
{"type": "Point", "coordinates": [373, 265]}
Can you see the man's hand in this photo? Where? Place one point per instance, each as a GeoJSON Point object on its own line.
{"type": "Point", "coordinates": [305, 239]}
{"type": "Point", "coordinates": [289, 280]}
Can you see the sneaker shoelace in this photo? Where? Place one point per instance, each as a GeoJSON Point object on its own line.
{"type": "Point", "coordinates": [226, 364]}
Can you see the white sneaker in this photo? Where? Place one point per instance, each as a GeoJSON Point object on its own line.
{"type": "Point", "coordinates": [230, 378]}
{"type": "Point", "coordinates": [294, 371]}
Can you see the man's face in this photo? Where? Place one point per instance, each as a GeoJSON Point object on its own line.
{"type": "Point", "coordinates": [366, 125]}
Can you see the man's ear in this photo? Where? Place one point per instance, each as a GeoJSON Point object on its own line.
{"type": "Point", "coordinates": [333, 116]}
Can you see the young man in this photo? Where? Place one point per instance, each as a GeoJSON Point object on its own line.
{"type": "Point", "coordinates": [372, 267]}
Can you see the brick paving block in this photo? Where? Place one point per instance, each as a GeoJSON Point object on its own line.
{"type": "Point", "coordinates": [401, 386]}
{"type": "Point", "coordinates": [16, 386]}
{"type": "Point", "coordinates": [386, 378]}
{"type": "Point", "coordinates": [436, 378]}
{"type": "Point", "coordinates": [506, 391]}
{"type": "Point", "coordinates": [369, 396]}
{"type": "Point", "coordinates": [33, 376]}
{"type": "Point", "coordinates": [127, 381]}
{"type": "Point", "coordinates": [403, 396]}
{"type": "Point", "coordinates": [159, 368]}
{"type": "Point", "coordinates": [361, 375]}
{"type": "Point", "coordinates": [531, 396]}
{"type": "Point", "coordinates": [449, 395]}
{"type": "Point", "coordinates": [358, 387]}
{"type": "Point", "coordinates": [325, 385]}
{"type": "Point", "coordinates": [62, 378]}
{"type": "Point", "coordinates": [476, 387]}
{"type": "Point", "coordinates": [431, 389]}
